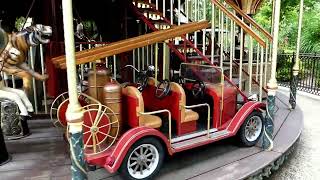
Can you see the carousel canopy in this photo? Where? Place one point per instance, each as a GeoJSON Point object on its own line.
{"type": "Point", "coordinates": [248, 6]}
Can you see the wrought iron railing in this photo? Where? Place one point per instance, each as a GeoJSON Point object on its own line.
{"type": "Point", "coordinates": [309, 72]}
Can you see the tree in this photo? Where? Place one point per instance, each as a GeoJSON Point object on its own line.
{"type": "Point", "coordinates": [289, 24]}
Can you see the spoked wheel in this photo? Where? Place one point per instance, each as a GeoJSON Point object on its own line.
{"type": "Point", "coordinates": [143, 160]}
{"type": "Point", "coordinates": [55, 110]}
{"type": "Point", "coordinates": [251, 130]}
{"type": "Point", "coordinates": [59, 107]}
{"type": "Point", "coordinates": [100, 128]}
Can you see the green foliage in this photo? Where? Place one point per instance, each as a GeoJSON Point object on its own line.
{"type": "Point", "coordinates": [310, 40]}
{"type": "Point", "coordinates": [19, 22]}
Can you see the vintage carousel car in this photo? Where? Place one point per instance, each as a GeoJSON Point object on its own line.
{"type": "Point", "coordinates": [131, 127]}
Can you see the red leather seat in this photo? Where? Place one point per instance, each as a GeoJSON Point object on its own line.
{"type": "Point", "coordinates": [134, 106]}
{"type": "Point", "coordinates": [186, 115]}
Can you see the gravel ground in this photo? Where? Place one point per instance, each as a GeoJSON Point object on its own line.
{"type": "Point", "coordinates": [304, 162]}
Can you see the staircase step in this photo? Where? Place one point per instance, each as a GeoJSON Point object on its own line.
{"type": "Point", "coordinates": [141, 4]}
{"type": "Point", "coordinates": [200, 57]}
{"type": "Point", "coordinates": [150, 10]}
{"type": "Point", "coordinates": [162, 27]}
{"type": "Point", "coordinates": [160, 21]}
{"type": "Point", "coordinates": [187, 50]}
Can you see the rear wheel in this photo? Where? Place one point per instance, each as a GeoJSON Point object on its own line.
{"type": "Point", "coordinates": [143, 160]}
{"type": "Point", "coordinates": [251, 130]}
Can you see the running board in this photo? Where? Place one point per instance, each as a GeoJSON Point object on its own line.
{"type": "Point", "coordinates": [193, 135]}
{"type": "Point", "coordinates": [201, 140]}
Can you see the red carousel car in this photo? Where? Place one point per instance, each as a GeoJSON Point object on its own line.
{"type": "Point", "coordinates": [132, 128]}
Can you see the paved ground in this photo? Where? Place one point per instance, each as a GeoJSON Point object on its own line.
{"type": "Point", "coordinates": [304, 163]}
{"type": "Point", "coordinates": [43, 155]}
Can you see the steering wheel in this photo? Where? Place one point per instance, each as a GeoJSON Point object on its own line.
{"type": "Point", "coordinates": [180, 80]}
{"type": "Point", "coordinates": [163, 89]}
{"type": "Point", "coordinates": [198, 88]}
{"type": "Point", "coordinates": [142, 81]}
{"type": "Point", "coordinates": [142, 76]}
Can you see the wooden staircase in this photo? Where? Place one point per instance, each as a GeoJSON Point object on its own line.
{"type": "Point", "coordinates": [186, 50]}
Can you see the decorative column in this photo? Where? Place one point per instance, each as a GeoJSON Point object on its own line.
{"type": "Point", "coordinates": [267, 141]}
{"type": "Point", "coordinates": [4, 155]}
{"type": "Point", "coordinates": [74, 112]}
{"type": "Point", "coordinates": [295, 69]}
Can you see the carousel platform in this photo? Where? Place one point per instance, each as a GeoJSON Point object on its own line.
{"type": "Point", "coordinates": [44, 155]}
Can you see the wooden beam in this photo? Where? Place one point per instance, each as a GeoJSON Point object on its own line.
{"type": "Point", "coordinates": [249, 19]}
{"type": "Point", "coordinates": [240, 23]}
{"type": "Point", "coordinates": [132, 43]}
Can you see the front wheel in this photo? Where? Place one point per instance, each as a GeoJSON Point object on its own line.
{"type": "Point", "coordinates": [251, 130]}
{"type": "Point", "coordinates": [143, 160]}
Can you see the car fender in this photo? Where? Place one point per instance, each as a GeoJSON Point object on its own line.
{"type": "Point", "coordinates": [127, 140]}
{"type": "Point", "coordinates": [242, 114]}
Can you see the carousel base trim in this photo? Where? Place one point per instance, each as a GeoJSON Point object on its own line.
{"type": "Point", "coordinates": [7, 161]}
{"type": "Point", "coordinates": [273, 167]}
{"type": "Point", "coordinates": [222, 160]}
{"type": "Point", "coordinates": [16, 137]}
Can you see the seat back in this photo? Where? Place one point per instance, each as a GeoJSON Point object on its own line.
{"type": "Point", "coordinates": [133, 102]}
{"type": "Point", "coordinates": [170, 102]}
{"type": "Point", "coordinates": [177, 89]}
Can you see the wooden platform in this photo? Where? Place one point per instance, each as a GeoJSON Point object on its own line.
{"type": "Point", "coordinates": [43, 155]}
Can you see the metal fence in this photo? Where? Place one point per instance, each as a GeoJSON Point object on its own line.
{"type": "Point", "coordinates": [309, 73]}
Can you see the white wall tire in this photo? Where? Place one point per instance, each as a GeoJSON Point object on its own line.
{"type": "Point", "coordinates": [143, 160]}
{"type": "Point", "coordinates": [251, 129]}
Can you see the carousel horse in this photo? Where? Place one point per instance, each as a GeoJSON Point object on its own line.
{"type": "Point", "coordinates": [12, 61]}
{"type": "Point", "coordinates": [22, 41]}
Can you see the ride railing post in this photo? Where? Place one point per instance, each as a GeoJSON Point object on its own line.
{"type": "Point", "coordinates": [35, 99]}
{"type": "Point", "coordinates": [266, 66]}
{"type": "Point", "coordinates": [241, 57]}
{"type": "Point", "coordinates": [232, 47]}
{"type": "Point", "coordinates": [293, 82]}
{"type": "Point", "coordinates": [261, 74]}
{"type": "Point", "coordinates": [267, 142]}
{"type": "Point", "coordinates": [250, 65]}
{"type": "Point", "coordinates": [213, 29]}
{"type": "Point", "coordinates": [134, 65]}
{"type": "Point", "coordinates": [43, 83]}
{"type": "Point", "coordinates": [74, 113]}
{"type": "Point", "coordinates": [295, 69]}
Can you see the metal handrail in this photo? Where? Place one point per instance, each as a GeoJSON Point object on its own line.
{"type": "Point", "coordinates": [161, 111]}
{"type": "Point", "coordinates": [243, 25]}
{"type": "Point", "coordinates": [250, 20]}
{"type": "Point", "coordinates": [202, 105]}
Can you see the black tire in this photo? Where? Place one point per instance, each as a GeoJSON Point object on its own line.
{"type": "Point", "coordinates": [124, 171]}
{"type": "Point", "coordinates": [243, 140]}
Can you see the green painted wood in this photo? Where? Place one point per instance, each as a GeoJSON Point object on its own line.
{"type": "Point", "coordinates": [77, 157]}
{"type": "Point", "coordinates": [268, 123]}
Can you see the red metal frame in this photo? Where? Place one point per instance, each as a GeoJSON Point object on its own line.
{"type": "Point", "coordinates": [180, 55]}
{"type": "Point", "coordinates": [229, 121]}
{"type": "Point", "coordinates": [112, 159]}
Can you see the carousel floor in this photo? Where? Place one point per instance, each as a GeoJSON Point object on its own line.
{"type": "Point", "coordinates": [43, 155]}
